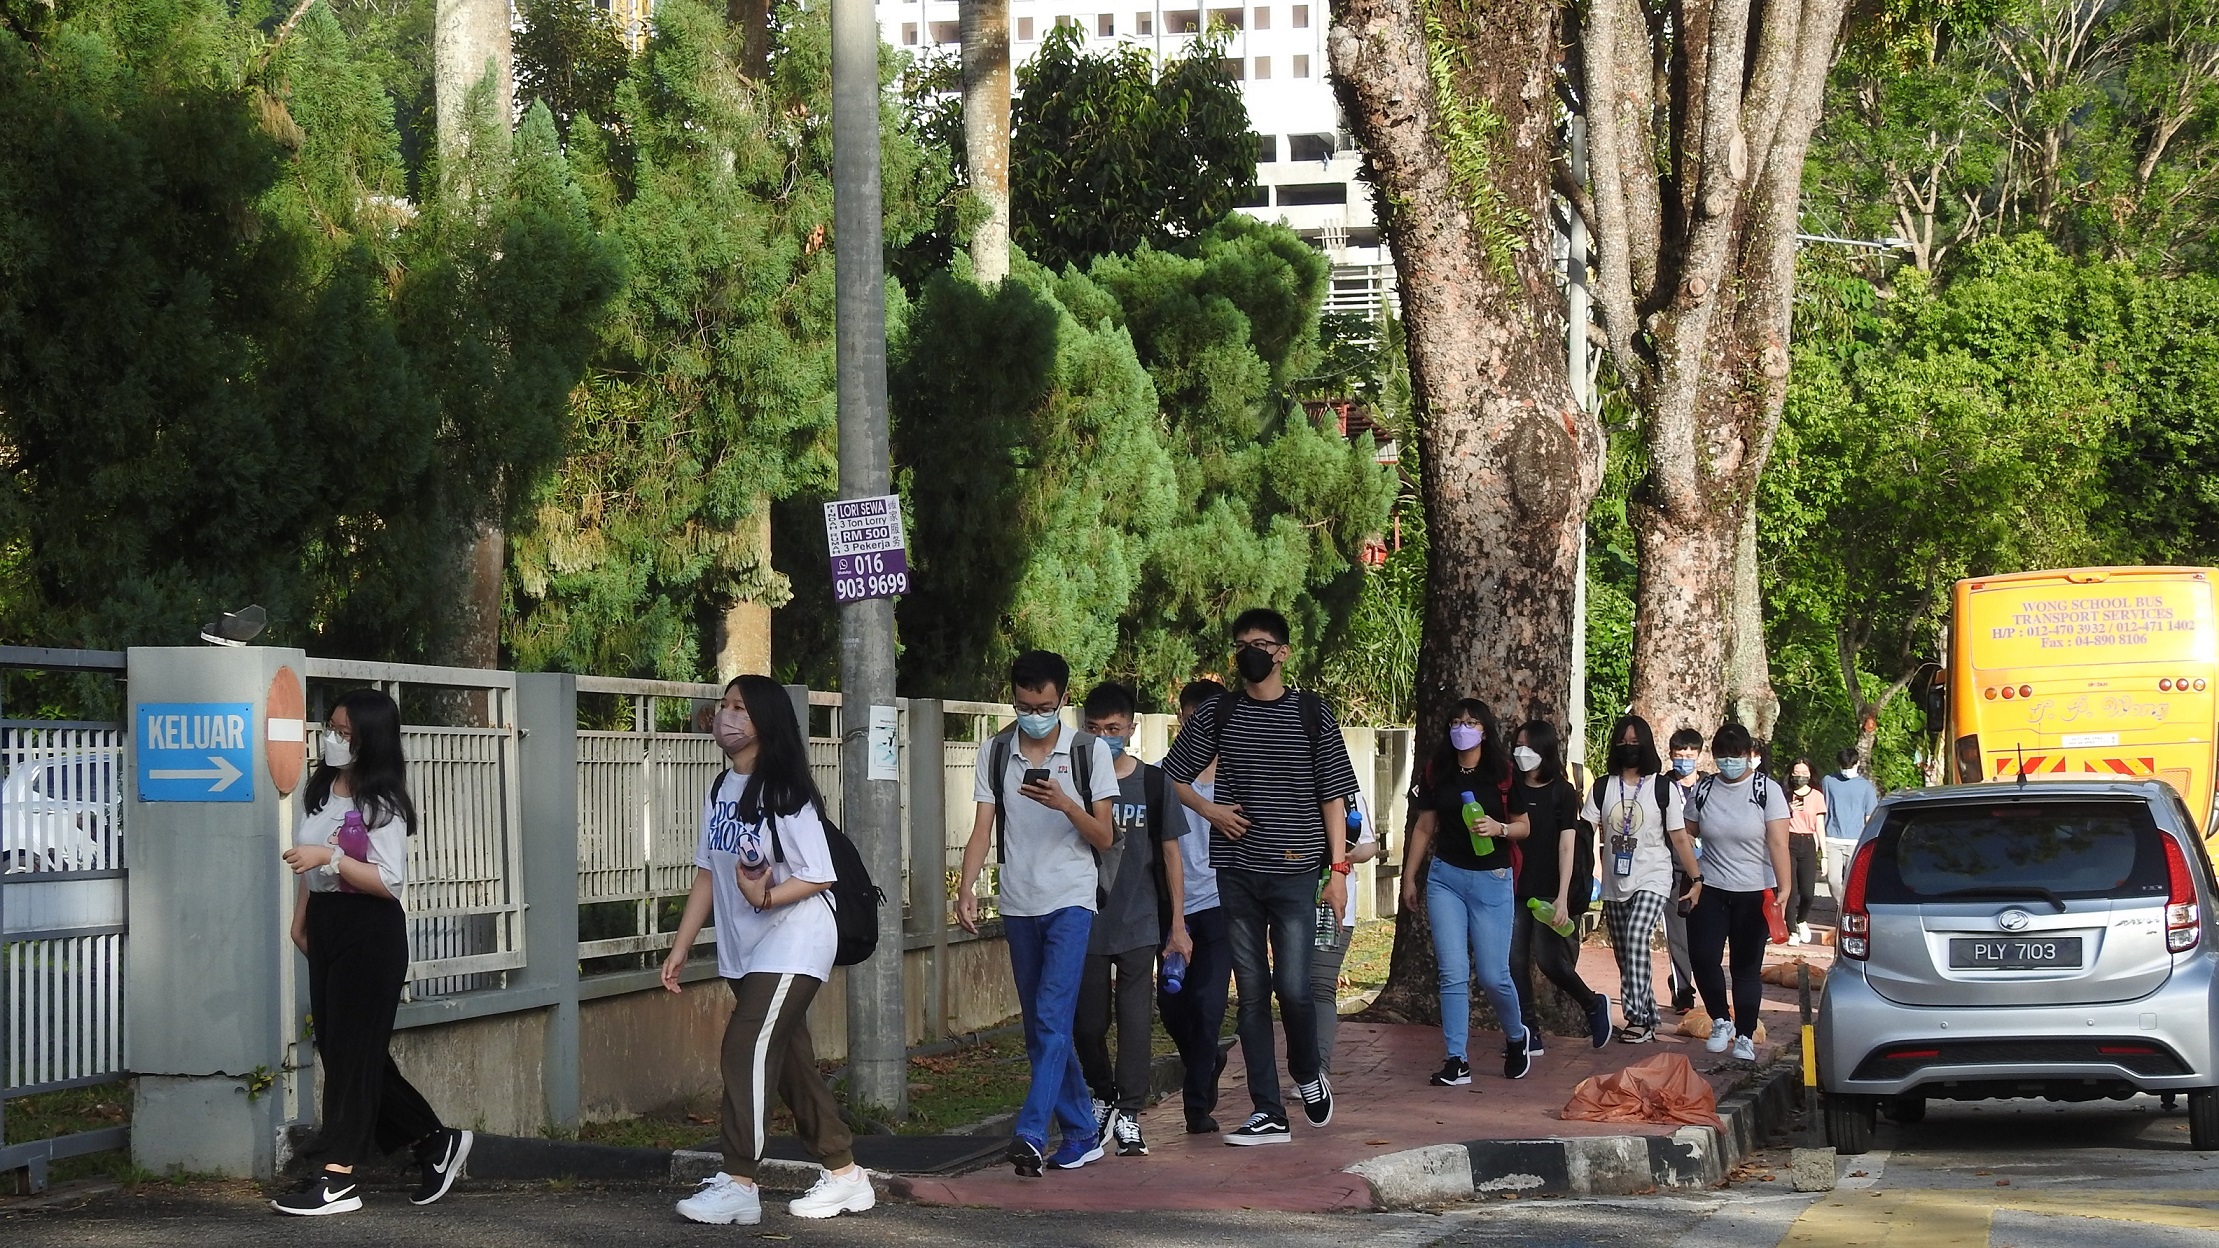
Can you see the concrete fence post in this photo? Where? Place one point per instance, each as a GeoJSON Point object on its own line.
{"type": "Point", "coordinates": [928, 853]}
{"type": "Point", "coordinates": [547, 717]}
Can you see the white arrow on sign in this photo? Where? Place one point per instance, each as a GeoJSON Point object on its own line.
{"type": "Point", "coordinates": [223, 773]}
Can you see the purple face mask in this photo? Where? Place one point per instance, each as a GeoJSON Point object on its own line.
{"type": "Point", "coordinates": [1465, 736]}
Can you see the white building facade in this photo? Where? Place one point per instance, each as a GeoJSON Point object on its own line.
{"type": "Point", "coordinates": [1306, 166]}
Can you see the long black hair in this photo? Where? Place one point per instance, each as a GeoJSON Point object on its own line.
{"type": "Point", "coordinates": [380, 776]}
{"type": "Point", "coordinates": [1541, 738]}
{"type": "Point", "coordinates": [1651, 764]}
{"type": "Point", "coordinates": [780, 780]}
{"type": "Point", "coordinates": [1494, 752]}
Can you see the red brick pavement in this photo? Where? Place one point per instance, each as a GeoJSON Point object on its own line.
{"type": "Point", "coordinates": [1383, 1104]}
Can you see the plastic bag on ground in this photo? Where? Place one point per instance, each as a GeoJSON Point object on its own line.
{"type": "Point", "coordinates": [1661, 1089]}
{"type": "Point", "coordinates": [1782, 974]}
{"type": "Point", "coordinates": [1696, 1026]}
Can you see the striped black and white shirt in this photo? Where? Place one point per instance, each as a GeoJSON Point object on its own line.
{"type": "Point", "coordinates": [1267, 767]}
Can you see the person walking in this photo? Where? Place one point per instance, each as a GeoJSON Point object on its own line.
{"type": "Point", "coordinates": [1194, 1012]}
{"type": "Point", "coordinates": [1806, 845]}
{"type": "Point", "coordinates": [1743, 820]}
{"type": "Point", "coordinates": [350, 854]}
{"type": "Point", "coordinates": [1555, 871]}
{"type": "Point", "coordinates": [1328, 957]}
{"type": "Point", "coordinates": [1687, 754]}
{"type": "Point", "coordinates": [1637, 813]}
{"type": "Point", "coordinates": [1120, 978]}
{"type": "Point", "coordinates": [1048, 789]}
{"type": "Point", "coordinates": [1278, 823]}
{"type": "Point", "coordinates": [761, 869]}
{"type": "Point", "coordinates": [1466, 821]}
{"type": "Point", "coordinates": [1850, 801]}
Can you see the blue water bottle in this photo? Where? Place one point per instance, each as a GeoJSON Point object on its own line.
{"type": "Point", "coordinates": [1174, 972]}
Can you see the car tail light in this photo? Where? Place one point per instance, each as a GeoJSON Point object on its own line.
{"type": "Point", "coordinates": [1856, 924]}
{"type": "Point", "coordinates": [2183, 924]}
{"type": "Point", "coordinates": [2126, 1050]}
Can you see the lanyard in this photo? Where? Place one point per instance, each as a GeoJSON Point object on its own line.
{"type": "Point", "coordinates": [1628, 798]}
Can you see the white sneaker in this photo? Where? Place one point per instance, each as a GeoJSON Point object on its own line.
{"type": "Point", "coordinates": [1745, 1049]}
{"type": "Point", "coordinates": [1802, 933]}
{"type": "Point", "coordinates": [1721, 1035]}
{"type": "Point", "coordinates": [723, 1201]}
{"type": "Point", "coordinates": [834, 1195]}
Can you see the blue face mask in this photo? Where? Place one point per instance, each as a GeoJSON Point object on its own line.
{"type": "Point", "coordinates": [1038, 726]}
{"type": "Point", "coordinates": [1683, 766]}
{"type": "Point", "coordinates": [1117, 746]}
{"type": "Point", "coordinates": [1733, 768]}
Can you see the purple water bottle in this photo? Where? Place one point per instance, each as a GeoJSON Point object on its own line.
{"type": "Point", "coordinates": [1174, 972]}
{"type": "Point", "coordinates": [353, 839]}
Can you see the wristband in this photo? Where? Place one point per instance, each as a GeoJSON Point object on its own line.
{"type": "Point", "coordinates": [1340, 868]}
{"type": "Point", "coordinates": [331, 864]}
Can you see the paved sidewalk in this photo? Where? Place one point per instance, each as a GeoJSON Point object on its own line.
{"type": "Point", "coordinates": [1383, 1105]}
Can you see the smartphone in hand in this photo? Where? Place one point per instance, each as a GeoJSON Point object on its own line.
{"type": "Point", "coordinates": [1036, 775]}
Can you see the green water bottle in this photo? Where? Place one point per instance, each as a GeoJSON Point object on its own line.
{"type": "Point", "coordinates": [1473, 815]}
{"type": "Point", "coordinates": [1541, 911]}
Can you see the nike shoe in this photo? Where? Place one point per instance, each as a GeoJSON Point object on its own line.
{"type": "Point", "coordinates": [1024, 1154]}
{"type": "Point", "coordinates": [441, 1158]}
{"type": "Point", "coordinates": [1454, 1073]}
{"type": "Point", "coordinates": [1721, 1035]}
{"type": "Point", "coordinates": [1598, 1021]}
{"type": "Point", "coordinates": [326, 1193]}
{"type": "Point", "coordinates": [1517, 1059]}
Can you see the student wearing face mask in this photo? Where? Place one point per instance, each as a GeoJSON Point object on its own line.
{"type": "Point", "coordinates": [1743, 819]}
{"type": "Point", "coordinates": [1638, 815]}
{"type": "Point", "coordinates": [1466, 820]}
{"type": "Point", "coordinates": [1555, 872]}
{"type": "Point", "coordinates": [1806, 845]}
{"type": "Point", "coordinates": [1687, 755]}
{"type": "Point", "coordinates": [1850, 801]}
{"type": "Point", "coordinates": [350, 855]}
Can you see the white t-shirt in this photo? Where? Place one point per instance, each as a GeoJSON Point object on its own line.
{"type": "Point", "coordinates": [1365, 837]}
{"type": "Point", "coordinates": [1735, 855]}
{"type": "Point", "coordinates": [1046, 865]}
{"type": "Point", "coordinates": [388, 845]}
{"type": "Point", "coordinates": [1633, 808]}
{"type": "Point", "coordinates": [1194, 854]}
{"type": "Point", "coordinates": [799, 938]}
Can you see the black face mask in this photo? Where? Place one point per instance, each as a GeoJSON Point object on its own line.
{"type": "Point", "coordinates": [1800, 783]}
{"type": "Point", "coordinates": [1625, 757]}
{"type": "Point", "coordinates": [1254, 664]}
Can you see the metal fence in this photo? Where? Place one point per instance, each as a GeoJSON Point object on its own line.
{"type": "Point", "coordinates": [62, 914]}
{"type": "Point", "coordinates": [639, 808]}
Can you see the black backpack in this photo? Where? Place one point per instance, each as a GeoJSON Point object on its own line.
{"type": "Point", "coordinates": [1663, 792]}
{"type": "Point", "coordinates": [853, 897]}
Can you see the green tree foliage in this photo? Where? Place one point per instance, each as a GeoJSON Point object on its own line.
{"type": "Point", "coordinates": [570, 57]}
{"type": "Point", "coordinates": [236, 364]}
{"type": "Point", "coordinates": [711, 389]}
{"type": "Point", "coordinates": [1107, 153]}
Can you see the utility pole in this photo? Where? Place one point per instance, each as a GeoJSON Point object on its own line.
{"type": "Point", "coordinates": [878, 1057]}
{"type": "Point", "coordinates": [1578, 316]}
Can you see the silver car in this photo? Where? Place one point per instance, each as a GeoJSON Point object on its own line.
{"type": "Point", "coordinates": [2030, 940]}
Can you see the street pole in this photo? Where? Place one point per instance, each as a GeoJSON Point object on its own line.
{"type": "Point", "coordinates": [877, 1055]}
{"type": "Point", "coordinates": [1579, 314]}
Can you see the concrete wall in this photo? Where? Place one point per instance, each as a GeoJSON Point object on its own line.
{"type": "Point", "coordinates": [488, 1074]}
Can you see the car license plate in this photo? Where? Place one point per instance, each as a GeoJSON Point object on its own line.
{"type": "Point", "coordinates": [2013, 953]}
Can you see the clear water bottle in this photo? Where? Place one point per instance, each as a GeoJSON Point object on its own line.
{"type": "Point", "coordinates": [1174, 972]}
{"type": "Point", "coordinates": [1328, 931]}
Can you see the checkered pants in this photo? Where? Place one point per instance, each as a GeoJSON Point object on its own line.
{"type": "Point", "coordinates": [1631, 924]}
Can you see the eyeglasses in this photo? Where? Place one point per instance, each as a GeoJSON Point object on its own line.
{"type": "Point", "coordinates": [1036, 708]}
{"type": "Point", "coordinates": [1265, 644]}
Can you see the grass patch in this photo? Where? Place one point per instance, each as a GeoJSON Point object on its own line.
{"type": "Point", "coordinates": [54, 1114]}
{"type": "Point", "coordinates": [1370, 948]}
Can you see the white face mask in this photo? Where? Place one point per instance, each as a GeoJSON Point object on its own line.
{"type": "Point", "coordinates": [1526, 759]}
{"type": "Point", "coordinates": [1848, 773]}
{"type": "Point", "coordinates": [337, 751]}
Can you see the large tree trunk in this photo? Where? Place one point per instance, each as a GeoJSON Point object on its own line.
{"type": "Point", "coordinates": [1749, 694]}
{"type": "Point", "coordinates": [752, 18]}
{"type": "Point", "coordinates": [986, 85]}
{"type": "Point", "coordinates": [1508, 460]}
{"type": "Point", "coordinates": [1693, 201]}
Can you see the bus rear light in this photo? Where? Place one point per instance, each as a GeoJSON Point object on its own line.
{"type": "Point", "coordinates": [2026, 691]}
{"type": "Point", "coordinates": [1990, 693]}
{"type": "Point", "coordinates": [2199, 684]}
{"type": "Point", "coordinates": [2009, 693]}
{"type": "Point", "coordinates": [2164, 685]}
{"type": "Point", "coordinates": [2183, 923]}
{"type": "Point", "coordinates": [1856, 922]}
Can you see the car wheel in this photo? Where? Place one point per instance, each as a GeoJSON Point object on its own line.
{"type": "Point", "coordinates": [1907, 1109]}
{"type": "Point", "coordinates": [1849, 1123]}
{"type": "Point", "coordinates": [2203, 1119]}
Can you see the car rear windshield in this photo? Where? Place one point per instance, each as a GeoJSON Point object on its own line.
{"type": "Point", "coordinates": [1994, 851]}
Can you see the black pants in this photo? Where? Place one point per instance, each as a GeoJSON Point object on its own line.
{"type": "Point", "coordinates": [357, 959]}
{"type": "Point", "coordinates": [1803, 860]}
{"type": "Point", "coordinates": [1129, 998]}
{"type": "Point", "coordinates": [1273, 919]}
{"type": "Point", "coordinates": [1721, 920]}
{"type": "Point", "coordinates": [1533, 944]}
{"type": "Point", "coordinates": [1195, 1015]}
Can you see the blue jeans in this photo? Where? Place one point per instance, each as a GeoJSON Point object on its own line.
{"type": "Point", "coordinates": [1270, 920]}
{"type": "Point", "coordinates": [1471, 913]}
{"type": "Point", "coordinates": [1047, 954]}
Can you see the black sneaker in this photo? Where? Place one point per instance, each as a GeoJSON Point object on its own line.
{"type": "Point", "coordinates": [1517, 1058]}
{"type": "Point", "coordinates": [1534, 1040]}
{"type": "Point", "coordinates": [1598, 1021]}
{"type": "Point", "coordinates": [1201, 1124]}
{"type": "Point", "coordinates": [326, 1193]}
{"type": "Point", "coordinates": [1125, 1129]}
{"type": "Point", "coordinates": [1025, 1155]}
{"type": "Point", "coordinates": [1317, 1100]}
{"type": "Point", "coordinates": [1104, 1112]}
{"type": "Point", "coordinates": [1684, 1000]}
{"type": "Point", "coordinates": [1636, 1033]}
{"type": "Point", "coordinates": [1454, 1073]}
{"type": "Point", "coordinates": [1261, 1128]}
{"type": "Point", "coordinates": [441, 1157]}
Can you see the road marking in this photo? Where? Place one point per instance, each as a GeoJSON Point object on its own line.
{"type": "Point", "coordinates": [1960, 1217]}
{"type": "Point", "coordinates": [1758, 1220]}
{"type": "Point", "coordinates": [1874, 1164]}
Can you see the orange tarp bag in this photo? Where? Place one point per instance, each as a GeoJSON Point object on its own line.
{"type": "Point", "coordinates": [1663, 1088]}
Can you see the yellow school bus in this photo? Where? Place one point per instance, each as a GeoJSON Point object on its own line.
{"type": "Point", "coordinates": [2086, 671]}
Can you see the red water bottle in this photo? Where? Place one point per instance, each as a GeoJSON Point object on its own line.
{"type": "Point", "coordinates": [1775, 920]}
